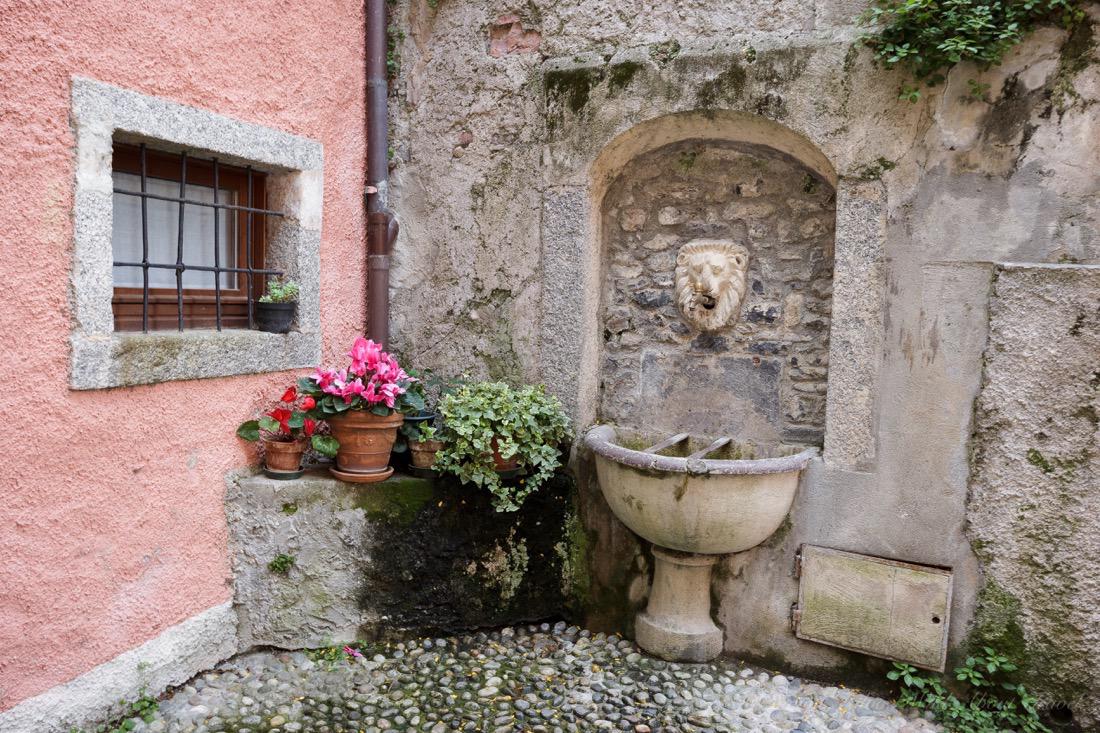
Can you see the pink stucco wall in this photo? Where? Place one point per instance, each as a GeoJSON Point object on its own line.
{"type": "Point", "coordinates": [111, 502]}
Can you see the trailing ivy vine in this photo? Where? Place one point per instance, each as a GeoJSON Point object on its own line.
{"type": "Point", "coordinates": [928, 37]}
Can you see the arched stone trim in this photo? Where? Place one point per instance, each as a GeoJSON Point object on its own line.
{"type": "Point", "coordinates": [710, 125]}
{"type": "Point", "coordinates": [572, 244]}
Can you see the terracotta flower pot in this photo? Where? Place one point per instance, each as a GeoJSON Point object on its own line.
{"type": "Point", "coordinates": [365, 440]}
{"type": "Point", "coordinates": [280, 455]}
{"type": "Point", "coordinates": [502, 464]}
{"type": "Point", "coordinates": [422, 453]}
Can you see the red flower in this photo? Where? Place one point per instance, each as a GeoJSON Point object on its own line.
{"type": "Point", "coordinates": [281, 416]}
{"type": "Point", "coordinates": [309, 426]}
{"type": "Point", "coordinates": [290, 395]}
{"type": "Point", "coordinates": [308, 403]}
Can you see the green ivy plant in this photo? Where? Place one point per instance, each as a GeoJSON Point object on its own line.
{"type": "Point", "coordinates": [280, 290]}
{"type": "Point", "coordinates": [991, 701]}
{"type": "Point", "coordinates": [928, 37]}
{"type": "Point", "coordinates": [525, 424]}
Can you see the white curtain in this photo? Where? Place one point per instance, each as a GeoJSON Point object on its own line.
{"type": "Point", "coordinates": [163, 221]}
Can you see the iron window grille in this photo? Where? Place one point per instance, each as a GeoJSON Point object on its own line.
{"type": "Point", "coordinates": [249, 211]}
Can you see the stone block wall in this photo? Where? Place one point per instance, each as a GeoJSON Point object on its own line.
{"type": "Point", "coordinates": [1034, 509]}
{"type": "Point", "coordinates": [503, 154]}
{"type": "Point", "coordinates": [404, 556]}
{"type": "Point", "coordinates": [768, 369]}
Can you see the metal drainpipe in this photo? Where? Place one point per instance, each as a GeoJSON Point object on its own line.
{"type": "Point", "coordinates": [381, 225]}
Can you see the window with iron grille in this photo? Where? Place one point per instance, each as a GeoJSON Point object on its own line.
{"type": "Point", "coordinates": [188, 239]}
{"type": "Point", "coordinates": [180, 216]}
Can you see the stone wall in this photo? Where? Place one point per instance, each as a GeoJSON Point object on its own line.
{"type": "Point", "coordinates": [768, 368]}
{"type": "Point", "coordinates": [504, 149]}
{"type": "Point", "coordinates": [1034, 507]}
{"type": "Point", "coordinates": [404, 556]}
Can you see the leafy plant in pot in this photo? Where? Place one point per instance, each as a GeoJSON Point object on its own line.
{"type": "Point", "coordinates": [429, 388]}
{"type": "Point", "coordinates": [490, 428]}
{"type": "Point", "coordinates": [363, 405]}
{"type": "Point", "coordinates": [276, 308]}
{"type": "Point", "coordinates": [285, 432]}
{"type": "Point", "coordinates": [423, 448]}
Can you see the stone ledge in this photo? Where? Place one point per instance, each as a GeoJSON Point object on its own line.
{"type": "Point", "coordinates": [404, 556]}
{"type": "Point", "coordinates": [169, 659]}
{"type": "Point", "coordinates": [128, 359]}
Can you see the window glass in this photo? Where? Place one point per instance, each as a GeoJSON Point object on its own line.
{"type": "Point", "coordinates": [163, 222]}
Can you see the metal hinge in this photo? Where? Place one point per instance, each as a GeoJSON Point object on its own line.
{"type": "Point", "coordinates": [796, 617]}
{"type": "Point", "coordinates": [798, 562]}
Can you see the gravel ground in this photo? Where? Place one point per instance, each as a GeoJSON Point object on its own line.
{"type": "Point", "coordinates": [537, 678]}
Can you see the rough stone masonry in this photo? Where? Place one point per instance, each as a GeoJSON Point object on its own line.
{"type": "Point", "coordinates": [767, 370]}
{"type": "Point", "coordinates": [499, 162]}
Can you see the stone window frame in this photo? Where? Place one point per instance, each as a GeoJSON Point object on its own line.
{"type": "Point", "coordinates": [572, 251]}
{"type": "Point", "coordinates": [103, 358]}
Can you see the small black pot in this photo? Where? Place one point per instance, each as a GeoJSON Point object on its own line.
{"type": "Point", "coordinates": [275, 317]}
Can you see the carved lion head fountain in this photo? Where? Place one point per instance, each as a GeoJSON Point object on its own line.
{"type": "Point", "coordinates": [710, 282]}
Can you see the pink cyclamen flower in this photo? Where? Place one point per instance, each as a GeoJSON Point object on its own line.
{"type": "Point", "coordinates": [323, 377]}
{"type": "Point", "coordinates": [352, 652]}
{"type": "Point", "coordinates": [364, 355]}
{"type": "Point", "coordinates": [336, 382]}
{"type": "Point", "coordinates": [390, 371]}
{"type": "Point", "coordinates": [389, 393]}
{"type": "Point", "coordinates": [370, 393]}
{"type": "Point", "coordinates": [352, 388]}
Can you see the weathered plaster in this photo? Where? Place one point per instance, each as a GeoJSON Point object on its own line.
{"type": "Point", "coordinates": [1034, 512]}
{"type": "Point", "coordinates": [171, 658]}
{"type": "Point", "coordinates": [112, 502]}
{"type": "Point", "coordinates": [930, 195]}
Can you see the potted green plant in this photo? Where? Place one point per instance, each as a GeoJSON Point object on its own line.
{"type": "Point", "coordinates": [428, 388]}
{"type": "Point", "coordinates": [285, 432]}
{"type": "Point", "coordinates": [490, 428]}
{"type": "Point", "coordinates": [364, 405]}
{"type": "Point", "coordinates": [276, 308]}
{"type": "Point", "coordinates": [423, 448]}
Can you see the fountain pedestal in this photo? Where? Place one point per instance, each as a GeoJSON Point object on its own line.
{"type": "Point", "coordinates": [693, 509]}
{"type": "Point", "coordinates": [676, 624]}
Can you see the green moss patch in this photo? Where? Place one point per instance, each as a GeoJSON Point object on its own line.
{"type": "Point", "coordinates": [620, 75]}
{"type": "Point", "coordinates": [727, 87]}
{"type": "Point", "coordinates": [572, 87]}
{"type": "Point", "coordinates": [396, 500]}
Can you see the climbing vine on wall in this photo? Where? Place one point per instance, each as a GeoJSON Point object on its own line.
{"type": "Point", "coordinates": [928, 37]}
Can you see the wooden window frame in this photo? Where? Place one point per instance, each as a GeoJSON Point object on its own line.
{"type": "Point", "coordinates": [199, 309]}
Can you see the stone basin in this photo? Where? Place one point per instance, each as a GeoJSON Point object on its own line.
{"type": "Point", "coordinates": [699, 505]}
{"type": "Point", "coordinates": [693, 509]}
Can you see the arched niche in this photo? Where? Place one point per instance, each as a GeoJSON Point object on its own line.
{"type": "Point", "coordinates": [574, 264]}
{"type": "Point", "coordinates": [754, 367]}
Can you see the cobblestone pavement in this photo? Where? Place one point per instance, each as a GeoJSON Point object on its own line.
{"type": "Point", "coordinates": [537, 678]}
